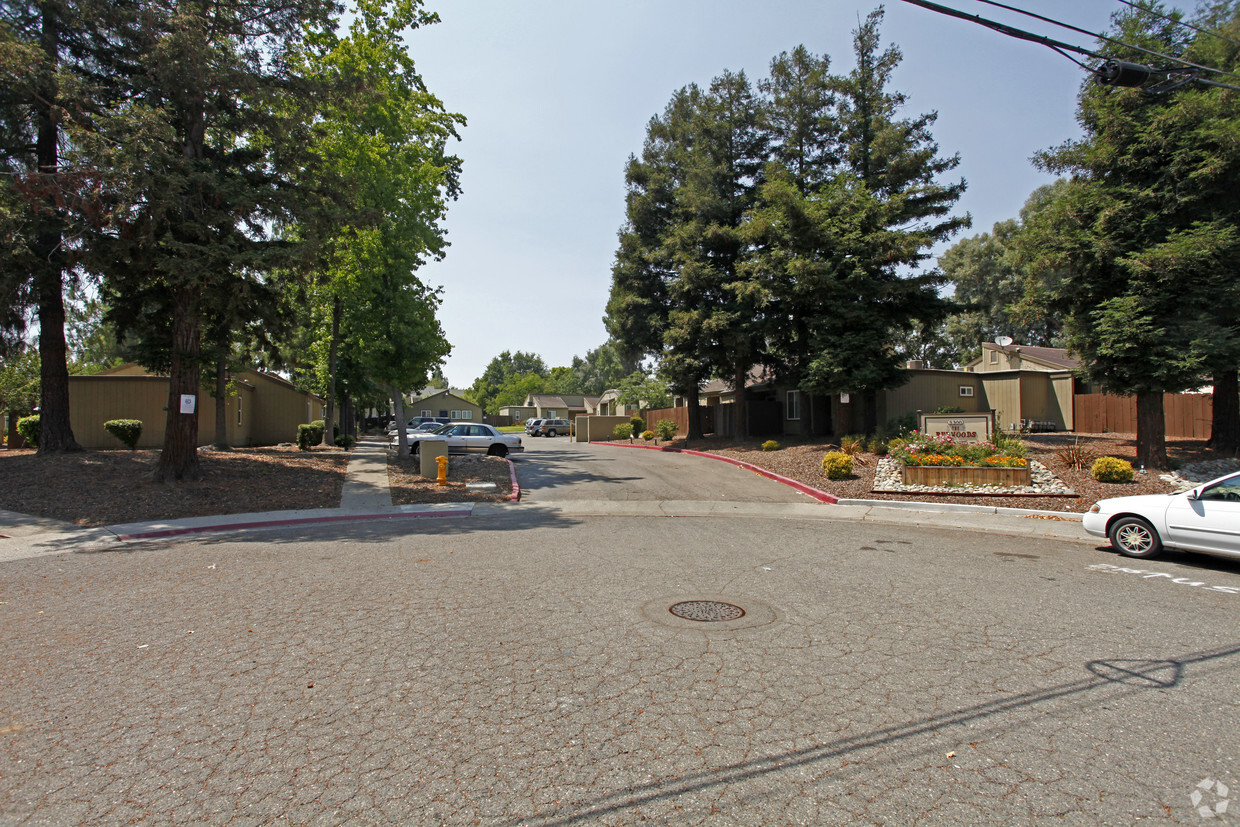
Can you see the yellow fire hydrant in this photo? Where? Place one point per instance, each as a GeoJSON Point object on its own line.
{"type": "Point", "coordinates": [442, 479]}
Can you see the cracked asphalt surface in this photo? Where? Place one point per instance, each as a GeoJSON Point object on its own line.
{"type": "Point", "coordinates": [515, 668]}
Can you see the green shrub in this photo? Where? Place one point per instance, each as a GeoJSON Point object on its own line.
{"type": "Point", "coordinates": [666, 429]}
{"type": "Point", "coordinates": [877, 444]}
{"type": "Point", "coordinates": [1111, 469]}
{"type": "Point", "coordinates": [770, 445]}
{"type": "Point", "coordinates": [647, 435]}
{"type": "Point", "coordinates": [902, 424]}
{"type": "Point", "coordinates": [345, 441]}
{"type": "Point", "coordinates": [638, 424]}
{"type": "Point", "coordinates": [837, 465]}
{"type": "Point", "coordinates": [28, 427]}
{"type": "Point", "coordinates": [949, 409]}
{"type": "Point", "coordinates": [1009, 444]}
{"type": "Point", "coordinates": [623, 432]}
{"type": "Point", "coordinates": [309, 435]}
{"type": "Point", "coordinates": [128, 431]}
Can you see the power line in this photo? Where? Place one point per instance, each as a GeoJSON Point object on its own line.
{"type": "Point", "coordinates": [1111, 71]}
{"type": "Point", "coordinates": [1110, 40]}
{"type": "Point", "coordinates": [1177, 22]}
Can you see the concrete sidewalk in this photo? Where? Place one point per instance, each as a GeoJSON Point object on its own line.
{"type": "Point", "coordinates": [366, 478]}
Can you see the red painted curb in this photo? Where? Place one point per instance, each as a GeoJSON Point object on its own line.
{"type": "Point", "coordinates": [177, 532]}
{"type": "Point", "coordinates": [821, 496]}
{"type": "Point", "coordinates": [516, 487]}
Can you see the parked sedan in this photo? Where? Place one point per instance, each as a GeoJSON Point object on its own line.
{"type": "Point", "coordinates": [469, 438]}
{"type": "Point", "coordinates": [1205, 519]}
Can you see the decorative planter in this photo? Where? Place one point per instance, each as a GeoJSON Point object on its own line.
{"type": "Point", "coordinates": [968, 475]}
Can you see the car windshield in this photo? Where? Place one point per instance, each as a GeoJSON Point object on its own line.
{"type": "Point", "coordinates": [442, 429]}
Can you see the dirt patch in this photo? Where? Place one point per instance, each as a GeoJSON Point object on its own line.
{"type": "Point", "coordinates": [409, 487]}
{"type": "Point", "coordinates": [95, 488]}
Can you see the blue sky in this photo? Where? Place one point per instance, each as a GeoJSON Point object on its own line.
{"type": "Point", "coordinates": [558, 94]}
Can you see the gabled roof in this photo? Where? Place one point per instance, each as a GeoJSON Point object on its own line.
{"type": "Point", "coordinates": [1054, 357]}
{"type": "Point", "coordinates": [546, 400]}
{"type": "Point", "coordinates": [757, 375]}
{"type": "Point", "coordinates": [1057, 356]}
{"type": "Point", "coordinates": [455, 394]}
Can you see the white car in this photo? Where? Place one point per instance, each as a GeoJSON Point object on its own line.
{"type": "Point", "coordinates": [468, 438]}
{"type": "Point", "coordinates": [1205, 519]}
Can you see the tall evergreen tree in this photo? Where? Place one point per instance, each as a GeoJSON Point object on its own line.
{"type": "Point", "coordinates": [895, 160]}
{"type": "Point", "coordinates": [1147, 232]}
{"type": "Point", "coordinates": [212, 141]}
{"type": "Point", "coordinates": [60, 61]}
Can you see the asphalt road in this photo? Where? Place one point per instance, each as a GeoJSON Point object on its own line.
{"type": "Point", "coordinates": [557, 470]}
{"type": "Point", "coordinates": [522, 667]}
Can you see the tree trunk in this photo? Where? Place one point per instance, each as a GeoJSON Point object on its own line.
{"type": "Point", "coordinates": [695, 413]}
{"type": "Point", "coordinates": [55, 432]}
{"type": "Point", "coordinates": [402, 436]}
{"type": "Point", "coordinates": [1225, 420]}
{"type": "Point", "coordinates": [329, 416]}
{"type": "Point", "coordinates": [869, 412]}
{"type": "Point", "coordinates": [179, 458]}
{"type": "Point", "coordinates": [221, 403]}
{"type": "Point", "coordinates": [1151, 431]}
{"type": "Point", "coordinates": [348, 417]}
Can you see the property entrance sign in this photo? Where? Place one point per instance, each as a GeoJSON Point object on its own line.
{"type": "Point", "coordinates": [967, 428]}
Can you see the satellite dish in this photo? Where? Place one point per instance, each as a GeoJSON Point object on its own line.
{"type": "Point", "coordinates": [1003, 341]}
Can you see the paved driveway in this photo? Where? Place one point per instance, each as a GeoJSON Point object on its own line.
{"type": "Point", "coordinates": [555, 470]}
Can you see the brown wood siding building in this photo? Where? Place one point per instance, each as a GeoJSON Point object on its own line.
{"type": "Point", "coordinates": [263, 410]}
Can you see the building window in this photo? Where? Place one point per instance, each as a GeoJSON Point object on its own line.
{"type": "Point", "coordinates": [461, 414]}
{"type": "Point", "coordinates": [552, 415]}
{"type": "Point", "coordinates": [426, 413]}
{"type": "Point", "coordinates": [966, 390]}
{"type": "Point", "coordinates": [238, 410]}
{"type": "Point", "coordinates": [794, 404]}
{"type": "Point", "coordinates": [994, 357]}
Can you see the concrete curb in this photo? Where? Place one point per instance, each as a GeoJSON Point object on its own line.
{"type": "Point", "coordinates": [516, 486]}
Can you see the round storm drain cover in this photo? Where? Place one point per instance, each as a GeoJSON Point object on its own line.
{"type": "Point", "coordinates": [706, 610]}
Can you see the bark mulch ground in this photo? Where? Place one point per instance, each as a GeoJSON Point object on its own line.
{"type": "Point", "coordinates": [94, 488]}
{"type": "Point", "coordinates": [409, 487]}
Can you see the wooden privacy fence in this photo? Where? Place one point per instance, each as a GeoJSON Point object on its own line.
{"type": "Point", "coordinates": [1188, 414]}
{"type": "Point", "coordinates": [681, 417]}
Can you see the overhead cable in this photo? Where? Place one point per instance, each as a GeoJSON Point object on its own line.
{"type": "Point", "coordinates": [1110, 68]}
{"type": "Point", "coordinates": [1106, 39]}
{"type": "Point", "coordinates": [1178, 22]}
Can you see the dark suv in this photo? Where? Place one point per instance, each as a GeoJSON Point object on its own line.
{"type": "Point", "coordinates": [553, 427]}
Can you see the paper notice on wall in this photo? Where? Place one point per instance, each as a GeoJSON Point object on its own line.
{"type": "Point", "coordinates": [189, 403]}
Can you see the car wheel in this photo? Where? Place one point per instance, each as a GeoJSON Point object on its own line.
{"type": "Point", "coordinates": [1134, 537]}
{"type": "Point", "coordinates": [497, 451]}
{"type": "Point", "coordinates": [413, 449]}
{"type": "Point", "coordinates": [550, 433]}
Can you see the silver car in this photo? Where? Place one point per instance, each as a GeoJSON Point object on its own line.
{"type": "Point", "coordinates": [468, 438]}
{"type": "Point", "coordinates": [1205, 519]}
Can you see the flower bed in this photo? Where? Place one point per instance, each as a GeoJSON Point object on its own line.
{"type": "Point", "coordinates": [929, 461]}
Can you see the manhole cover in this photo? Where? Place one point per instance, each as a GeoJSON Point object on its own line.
{"type": "Point", "coordinates": [706, 610]}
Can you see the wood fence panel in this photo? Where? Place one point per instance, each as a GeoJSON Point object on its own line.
{"type": "Point", "coordinates": [1187, 414]}
{"type": "Point", "coordinates": [681, 417]}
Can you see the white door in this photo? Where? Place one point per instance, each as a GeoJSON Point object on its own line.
{"type": "Point", "coordinates": [1209, 523]}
